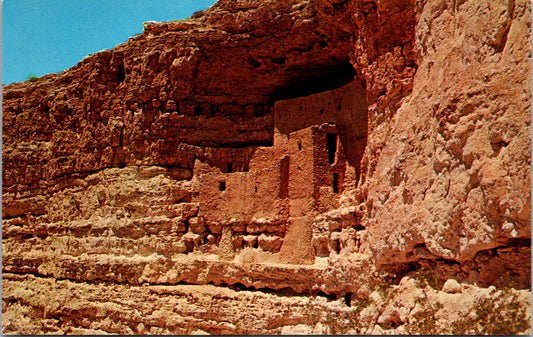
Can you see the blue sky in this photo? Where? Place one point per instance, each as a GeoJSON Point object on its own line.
{"type": "Point", "coordinates": [48, 36]}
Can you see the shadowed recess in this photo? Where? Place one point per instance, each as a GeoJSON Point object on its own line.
{"type": "Point", "coordinates": [323, 80]}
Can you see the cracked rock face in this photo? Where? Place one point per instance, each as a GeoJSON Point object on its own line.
{"type": "Point", "coordinates": [452, 181]}
{"type": "Point", "coordinates": [295, 151]}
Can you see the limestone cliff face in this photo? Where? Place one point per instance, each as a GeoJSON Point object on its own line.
{"type": "Point", "coordinates": [300, 147]}
{"type": "Point", "coordinates": [448, 175]}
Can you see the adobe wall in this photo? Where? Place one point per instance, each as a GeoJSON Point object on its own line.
{"type": "Point", "coordinates": [281, 188]}
{"type": "Point", "coordinates": [346, 107]}
{"type": "Point", "coordinates": [330, 168]}
{"type": "Point", "coordinates": [229, 198]}
{"type": "Point", "coordinates": [297, 246]}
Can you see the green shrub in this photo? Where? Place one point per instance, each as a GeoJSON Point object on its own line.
{"type": "Point", "coordinates": [424, 322]}
{"type": "Point", "coordinates": [505, 281]}
{"type": "Point", "coordinates": [32, 77]}
{"type": "Point", "coordinates": [339, 323]}
{"type": "Point", "coordinates": [384, 288]}
{"type": "Point", "coordinates": [425, 277]}
{"type": "Point", "coordinates": [501, 315]}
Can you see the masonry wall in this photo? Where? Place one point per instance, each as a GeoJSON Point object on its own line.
{"type": "Point", "coordinates": [330, 168]}
{"type": "Point", "coordinates": [281, 188]}
{"type": "Point", "coordinates": [345, 107]}
{"type": "Point", "coordinates": [248, 197]}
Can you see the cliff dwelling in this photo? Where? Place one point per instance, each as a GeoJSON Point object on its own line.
{"type": "Point", "coordinates": [278, 167]}
{"type": "Point", "coordinates": [270, 201]}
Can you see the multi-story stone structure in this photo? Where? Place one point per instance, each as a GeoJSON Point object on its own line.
{"type": "Point", "coordinates": [281, 188]}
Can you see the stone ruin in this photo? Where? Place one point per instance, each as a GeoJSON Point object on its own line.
{"type": "Point", "coordinates": [299, 150]}
{"type": "Point", "coordinates": [268, 199]}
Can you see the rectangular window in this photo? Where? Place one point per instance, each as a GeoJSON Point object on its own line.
{"type": "Point", "coordinates": [335, 183]}
{"type": "Point", "coordinates": [331, 146]}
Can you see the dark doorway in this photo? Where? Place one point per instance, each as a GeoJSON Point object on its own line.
{"type": "Point", "coordinates": [335, 183]}
{"type": "Point", "coordinates": [331, 146]}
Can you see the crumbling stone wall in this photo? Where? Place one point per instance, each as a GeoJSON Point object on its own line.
{"type": "Point", "coordinates": [300, 176]}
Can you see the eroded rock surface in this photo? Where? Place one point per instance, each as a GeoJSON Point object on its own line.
{"type": "Point", "coordinates": [304, 151]}
{"type": "Point", "coordinates": [45, 305]}
{"type": "Point", "coordinates": [455, 157]}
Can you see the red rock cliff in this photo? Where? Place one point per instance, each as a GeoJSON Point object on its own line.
{"type": "Point", "coordinates": [302, 145]}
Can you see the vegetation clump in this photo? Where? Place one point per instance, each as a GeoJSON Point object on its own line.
{"type": "Point", "coordinates": [425, 278]}
{"type": "Point", "coordinates": [32, 77]}
{"type": "Point", "coordinates": [501, 312]}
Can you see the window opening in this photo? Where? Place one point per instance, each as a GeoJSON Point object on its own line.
{"type": "Point", "coordinates": [229, 167]}
{"type": "Point", "coordinates": [331, 146]}
{"type": "Point", "coordinates": [348, 299]}
{"type": "Point", "coordinates": [121, 74]}
{"type": "Point", "coordinates": [221, 185]}
{"type": "Point", "coordinates": [335, 183]}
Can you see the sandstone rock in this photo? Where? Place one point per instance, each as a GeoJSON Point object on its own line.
{"type": "Point", "coordinates": [321, 245]}
{"type": "Point", "coordinates": [211, 308]}
{"type": "Point", "coordinates": [431, 185]}
{"type": "Point", "coordinates": [269, 243]}
{"type": "Point", "coordinates": [196, 225]}
{"type": "Point", "coordinates": [377, 330]}
{"type": "Point", "coordinates": [452, 286]}
{"type": "Point", "coordinates": [304, 148]}
{"type": "Point", "coordinates": [200, 332]}
{"type": "Point", "coordinates": [250, 241]}
{"type": "Point", "coordinates": [191, 241]}
{"type": "Point", "coordinates": [390, 317]}
{"type": "Point", "coordinates": [299, 329]}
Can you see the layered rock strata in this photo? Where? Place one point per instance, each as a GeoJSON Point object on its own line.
{"type": "Point", "coordinates": [35, 305]}
{"type": "Point", "coordinates": [310, 148]}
